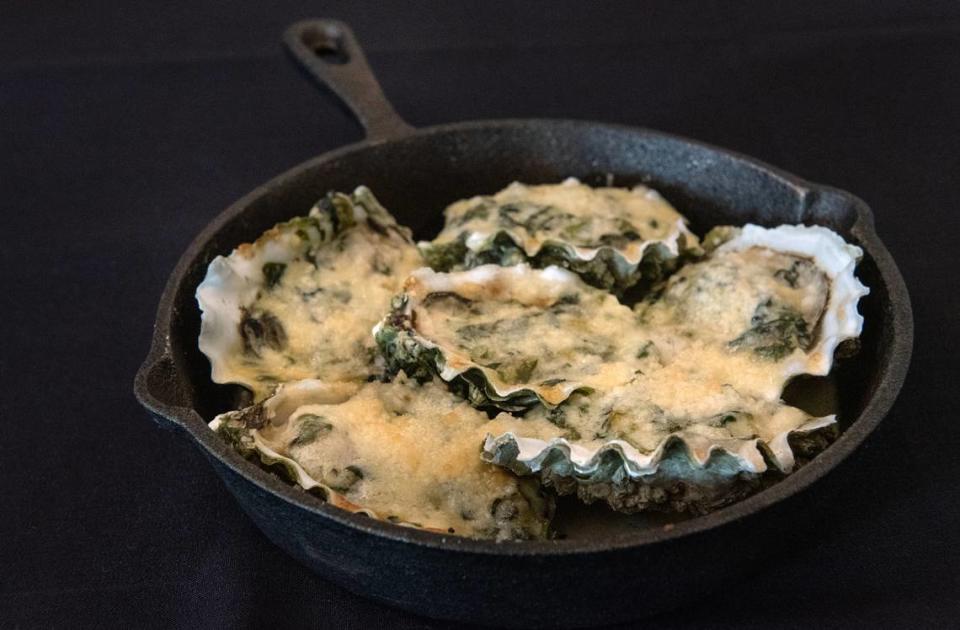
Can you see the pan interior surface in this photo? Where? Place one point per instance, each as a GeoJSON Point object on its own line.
{"type": "Point", "coordinates": [415, 177]}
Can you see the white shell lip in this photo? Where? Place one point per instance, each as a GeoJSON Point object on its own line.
{"type": "Point", "coordinates": [840, 321]}
{"type": "Point", "coordinates": [230, 285]}
{"type": "Point", "coordinates": [533, 453]}
{"type": "Point", "coordinates": [550, 282]}
{"type": "Point", "coordinates": [838, 260]}
{"type": "Point", "coordinates": [557, 279]}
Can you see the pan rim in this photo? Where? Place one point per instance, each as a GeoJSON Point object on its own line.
{"type": "Point", "coordinates": [892, 372]}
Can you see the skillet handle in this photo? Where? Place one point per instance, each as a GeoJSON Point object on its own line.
{"type": "Point", "coordinates": [329, 54]}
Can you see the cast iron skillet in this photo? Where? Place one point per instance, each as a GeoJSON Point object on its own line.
{"type": "Point", "coordinates": [608, 567]}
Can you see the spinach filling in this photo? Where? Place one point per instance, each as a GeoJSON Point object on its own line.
{"type": "Point", "coordinates": [261, 332]}
{"type": "Point", "coordinates": [776, 331]}
{"type": "Point", "coordinates": [445, 256]}
{"type": "Point", "coordinates": [343, 479]}
{"type": "Point", "coordinates": [796, 275]}
{"type": "Point", "coordinates": [311, 427]}
{"type": "Point", "coordinates": [272, 273]}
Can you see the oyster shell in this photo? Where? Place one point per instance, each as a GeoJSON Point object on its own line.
{"type": "Point", "coordinates": [398, 451]}
{"type": "Point", "coordinates": [300, 301]}
{"type": "Point", "coordinates": [510, 337]}
{"type": "Point", "coordinates": [701, 418]}
{"type": "Point", "coordinates": [612, 237]}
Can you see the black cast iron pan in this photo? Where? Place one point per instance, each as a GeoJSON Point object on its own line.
{"type": "Point", "coordinates": [608, 567]}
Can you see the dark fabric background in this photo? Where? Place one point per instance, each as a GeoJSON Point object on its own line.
{"type": "Point", "coordinates": [123, 131]}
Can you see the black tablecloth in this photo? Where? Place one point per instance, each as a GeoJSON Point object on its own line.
{"type": "Point", "coordinates": [124, 131]}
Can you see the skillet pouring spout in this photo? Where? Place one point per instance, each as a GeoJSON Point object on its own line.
{"type": "Point", "coordinates": [590, 576]}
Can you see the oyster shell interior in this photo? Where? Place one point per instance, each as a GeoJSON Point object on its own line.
{"type": "Point", "coordinates": [524, 366]}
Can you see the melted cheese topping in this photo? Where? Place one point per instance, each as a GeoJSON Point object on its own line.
{"type": "Point", "coordinates": [327, 306]}
{"type": "Point", "coordinates": [410, 453]}
{"type": "Point", "coordinates": [523, 327]}
{"type": "Point", "coordinates": [570, 212]}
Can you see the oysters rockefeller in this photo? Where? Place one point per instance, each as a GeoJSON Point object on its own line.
{"type": "Point", "coordinates": [458, 385]}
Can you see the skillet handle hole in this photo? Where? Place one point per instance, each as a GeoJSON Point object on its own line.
{"type": "Point", "coordinates": [326, 44]}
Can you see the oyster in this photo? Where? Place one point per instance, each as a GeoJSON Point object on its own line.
{"type": "Point", "coordinates": [821, 271]}
{"type": "Point", "coordinates": [697, 424]}
{"type": "Point", "coordinates": [612, 237]}
{"type": "Point", "coordinates": [767, 304]}
{"type": "Point", "coordinates": [398, 451]}
{"type": "Point", "coordinates": [510, 337]}
{"type": "Point", "coordinates": [300, 301]}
